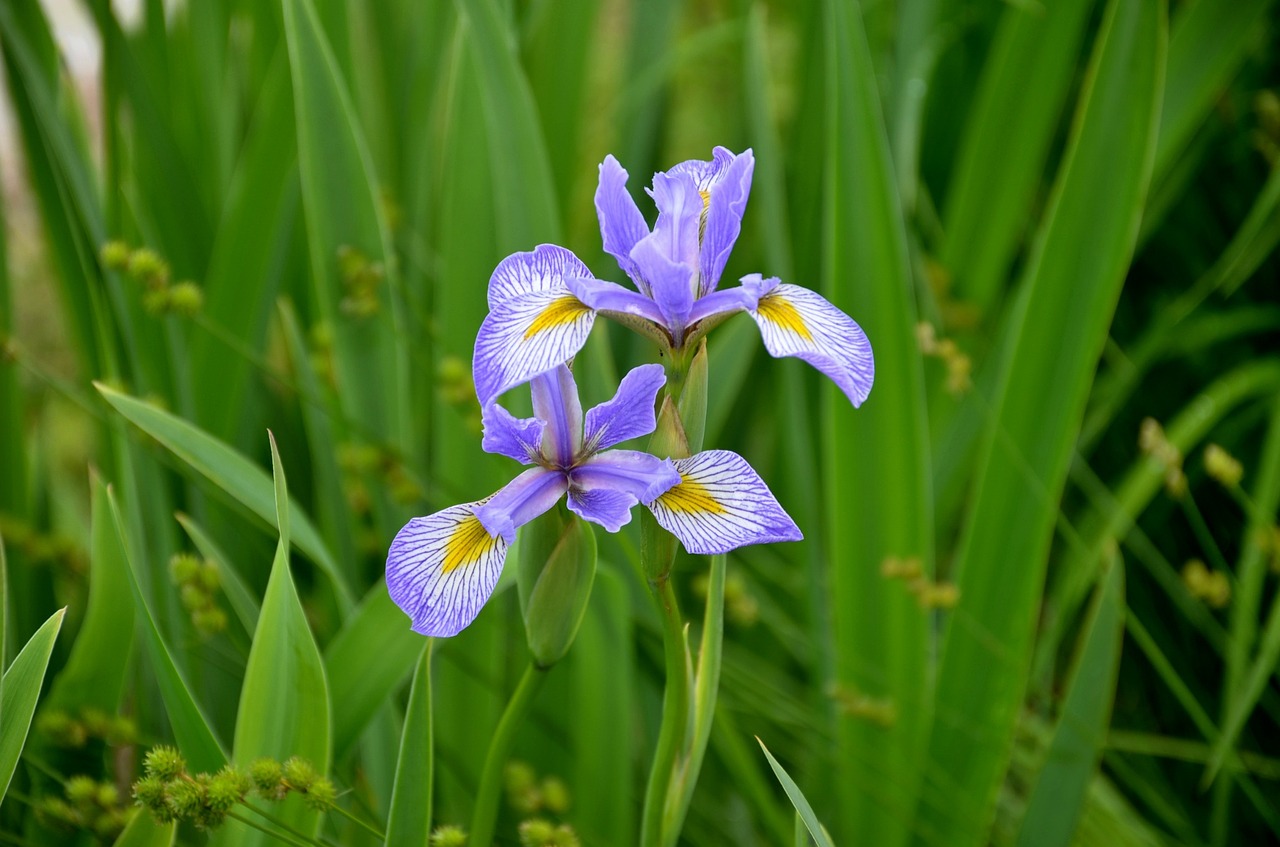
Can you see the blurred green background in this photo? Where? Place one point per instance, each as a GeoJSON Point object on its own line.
{"type": "Point", "coordinates": [1033, 605]}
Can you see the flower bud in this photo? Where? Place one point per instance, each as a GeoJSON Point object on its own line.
{"type": "Point", "coordinates": [557, 570]}
{"type": "Point", "coordinates": [693, 400]}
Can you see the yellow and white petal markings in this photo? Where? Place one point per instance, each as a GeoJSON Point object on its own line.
{"type": "Point", "coordinates": [721, 504]}
{"type": "Point", "coordinates": [544, 268]}
{"type": "Point", "coordinates": [442, 568]}
{"type": "Point", "coordinates": [527, 335]}
{"type": "Point", "coordinates": [795, 321]}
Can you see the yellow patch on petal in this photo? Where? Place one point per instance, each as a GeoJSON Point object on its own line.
{"type": "Point", "coordinates": [780, 311]}
{"type": "Point", "coordinates": [691, 497]}
{"type": "Point", "coordinates": [561, 311]}
{"type": "Point", "coordinates": [469, 543]}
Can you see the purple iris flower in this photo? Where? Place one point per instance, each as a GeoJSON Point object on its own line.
{"type": "Point", "coordinates": [442, 568]}
{"type": "Point", "coordinates": [542, 304]}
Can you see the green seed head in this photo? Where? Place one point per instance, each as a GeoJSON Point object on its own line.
{"type": "Point", "coordinates": [449, 836]}
{"type": "Point", "coordinates": [268, 778]}
{"type": "Point", "coordinates": [186, 299]}
{"type": "Point", "coordinates": [321, 795]}
{"type": "Point", "coordinates": [82, 790]}
{"type": "Point", "coordinates": [537, 833]}
{"type": "Point", "coordinates": [115, 255]}
{"type": "Point", "coordinates": [299, 773]}
{"type": "Point", "coordinates": [555, 795]}
{"type": "Point", "coordinates": [164, 762]}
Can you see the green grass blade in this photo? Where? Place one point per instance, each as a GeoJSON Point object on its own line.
{"type": "Point", "coordinates": [284, 702]}
{"type": "Point", "coordinates": [341, 198]}
{"type": "Point", "coordinates": [367, 660]}
{"type": "Point", "coordinates": [1072, 759]}
{"type": "Point", "coordinates": [803, 809]}
{"type": "Point", "coordinates": [1070, 290]}
{"type": "Point", "coordinates": [143, 831]}
{"type": "Point", "coordinates": [881, 635]}
{"type": "Point", "coordinates": [1006, 141]}
{"type": "Point", "coordinates": [18, 695]}
{"type": "Point", "coordinates": [94, 675]}
{"type": "Point", "coordinates": [410, 820]}
{"type": "Point", "coordinates": [245, 482]}
{"type": "Point", "coordinates": [193, 732]}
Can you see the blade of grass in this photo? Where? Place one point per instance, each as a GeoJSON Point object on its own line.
{"type": "Point", "coordinates": [1061, 319]}
{"type": "Point", "coordinates": [410, 820]}
{"type": "Point", "coordinates": [803, 809]}
{"type": "Point", "coordinates": [881, 635]}
{"type": "Point", "coordinates": [19, 692]}
{"type": "Point", "coordinates": [143, 831]}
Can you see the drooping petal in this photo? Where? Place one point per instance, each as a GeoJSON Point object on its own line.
{"type": "Point", "coordinates": [629, 413]}
{"type": "Point", "coordinates": [725, 202]}
{"type": "Point", "coordinates": [721, 504]}
{"type": "Point", "coordinates": [605, 488]}
{"type": "Point", "coordinates": [610, 509]}
{"type": "Point", "coordinates": [555, 401]}
{"type": "Point", "coordinates": [736, 299]}
{"type": "Point", "coordinates": [442, 568]}
{"type": "Point", "coordinates": [795, 321]}
{"type": "Point", "coordinates": [528, 335]}
{"type": "Point", "coordinates": [542, 269]}
{"type": "Point", "coordinates": [611, 297]}
{"type": "Point", "coordinates": [520, 501]}
{"type": "Point", "coordinates": [621, 224]}
{"type": "Point", "coordinates": [507, 435]}
{"type": "Point", "coordinates": [672, 283]}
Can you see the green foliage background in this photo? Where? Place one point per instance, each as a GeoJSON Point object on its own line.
{"type": "Point", "coordinates": [1080, 199]}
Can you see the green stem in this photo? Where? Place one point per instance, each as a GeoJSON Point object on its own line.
{"type": "Point", "coordinates": [361, 822]}
{"type": "Point", "coordinates": [271, 832]}
{"type": "Point", "coordinates": [270, 818]}
{"type": "Point", "coordinates": [675, 708]}
{"type": "Point", "coordinates": [484, 818]}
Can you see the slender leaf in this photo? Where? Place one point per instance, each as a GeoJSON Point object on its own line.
{"type": "Point", "coordinates": [816, 830]}
{"type": "Point", "coordinates": [143, 831]}
{"type": "Point", "coordinates": [19, 692]}
{"type": "Point", "coordinates": [410, 820]}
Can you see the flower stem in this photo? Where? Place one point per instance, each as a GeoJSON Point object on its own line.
{"type": "Point", "coordinates": [484, 817]}
{"type": "Point", "coordinates": [675, 708]}
{"type": "Point", "coordinates": [280, 836]}
{"type": "Point", "coordinates": [359, 821]}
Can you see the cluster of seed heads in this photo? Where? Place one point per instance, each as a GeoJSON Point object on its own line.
{"type": "Point", "coordinates": [360, 280]}
{"type": "Point", "coordinates": [198, 583]}
{"type": "Point", "coordinates": [205, 800]}
{"type": "Point", "coordinates": [67, 730]}
{"type": "Point", "coordinates": [86, 805]}
{"type": "Point", "coordinates": [161, 296]}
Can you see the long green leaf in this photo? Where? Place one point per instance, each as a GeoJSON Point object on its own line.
{"type": "Point", "coordinates": [21, 689]}
{"type": "Point", "coordinates": [284, 702]}
{"type": "Point", "coordinates": [803, 809]}
{"type": "Point", "coordinates": [1068, 294]}
{"type": "Point", "coordinates": [410, 820]}
{"type": "Point", "coordinates": [881, 634]}
{"type": "Point", "coordinates": [245, 482]}
{"type": "Point", "coordinates": [1059, 793]}
{"type": "Point", "coordinates": [143, 831]}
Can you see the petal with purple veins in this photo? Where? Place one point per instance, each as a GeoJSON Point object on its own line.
{"type": "Point", "coordinates": [555, 401]}
{"type": "Point", "coordinates": [520, 501]}
{"type": "Point", "coordinates": [736, 299]}
{"type": "Point", "coordinates": [621, 224]}
{"type": "Point", "coordinates": [442, 568]}
{"type": "Point", "coordinates": [528, 335]}
{"type": "Point", "coordinates": [629, 413]}
{"type": "Point", "coordinates": [795, 321]}
{"type": "Point", "coordinates": [672, 283]}
{"type": "Point", "coordinates": [610, 509]}
{"type": "Point", "coordinates": [676, 232]}
{"type": "Point", "coordinates": [721, 504]}
{"type": "Point", "coordinates": [611, 297]}
{"type": "Point", "coordinates": [507, 435]}
{"type": "Point", "coordinates": [643, 476]}
{"type": "Point", "coordinates": [725, 203]}
{"type": "Point", "coordinates": [542, 269]}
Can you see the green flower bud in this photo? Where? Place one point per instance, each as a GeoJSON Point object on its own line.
{"type": "Point", "coordinates": [115, 255]}
{"type": "Point", "coordinates": [557, 570]}
{"type": "Point", "coordinates": [448, 836]}
{"type": "Point", "coordinates": [537, 833]}
{"type": "Point", "coordinates": [164, 762]}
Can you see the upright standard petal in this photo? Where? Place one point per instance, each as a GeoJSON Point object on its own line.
{"type": "Point", "coordinates": [542, 269]}
{"type": "Point", "coordinates": [641, 476]}
{"type": "Point", "coordinates": [520, 501]}
{"type": "Point", "coordinates": [629, 413]}
{"type": "Point", "coordinates": [721, 504]}
{"type": "Point", "coordinates": [555, 401]}
{"type": "Point", "coordinates": [442, 568]}
{"type": "Point", "coordinates": [795, 321]}
{"type": "Point", "coordinates": [677, 230]}
{"type": "Point", "coordinates": [621, 224]}
{"type": "Point", "coordinates": [672, 283]}
{"type": "Point", "coordinates": [528, 335]}
{"type": "Point", "coordinates": [726, 201]}
{"type": "Point", "coordinates": [507, 435]}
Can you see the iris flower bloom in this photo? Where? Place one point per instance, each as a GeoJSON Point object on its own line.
{"type": "Point", "coordinates": [442, 568]}
{"type": "Point", "coordinates": [542, 304]}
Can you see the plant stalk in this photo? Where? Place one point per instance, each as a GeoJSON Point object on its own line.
{"type": "Point", "coordinates": [675, 708]}
{"type": "Point", "coordinates": [484, 817]}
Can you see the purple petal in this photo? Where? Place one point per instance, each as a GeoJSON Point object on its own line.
{"type": "Point", "coordinates": [679, 219]}
{"type": "Point", "coordinates": [507, 435]}
{"type": "Point", "coordinates": [528, 335]}
{"type": "Point", "coordinates": [621, 224]}
{"type": "Point", "coordinates": [643, 476]}
{"type": "Point", "coordinates": [721, 504]}
{"type": "Point", "coordinates": [795, 321]}
{"type": "Point", "coordinates": [706, 174]}
{"type": "Point", "coordinates": [738, 299]}
{"type": "Point", "coordinates": [727, 201]}
{"type": "Point", "coordinates": [611, 297]}
{"type": "Point", "coordinates": [629, 413]}
{"type": "Point", "coordinates": [555, 401]}
{"type": "Point", "coordinates": [610, 509]}
{"type": "Point", "coordinates": [527, 273]}
{"type": "Point", "coordinates": [672, 283]}
{"type": "Point", "coordinates": [442, 568]}
{"type": "Point", "coordinates": [520, 501]}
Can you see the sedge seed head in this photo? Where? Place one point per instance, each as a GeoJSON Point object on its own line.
{"type": "Point", "coordinates": [164, 762]}
{"type": "Point", "coordinates": [449, 836]}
